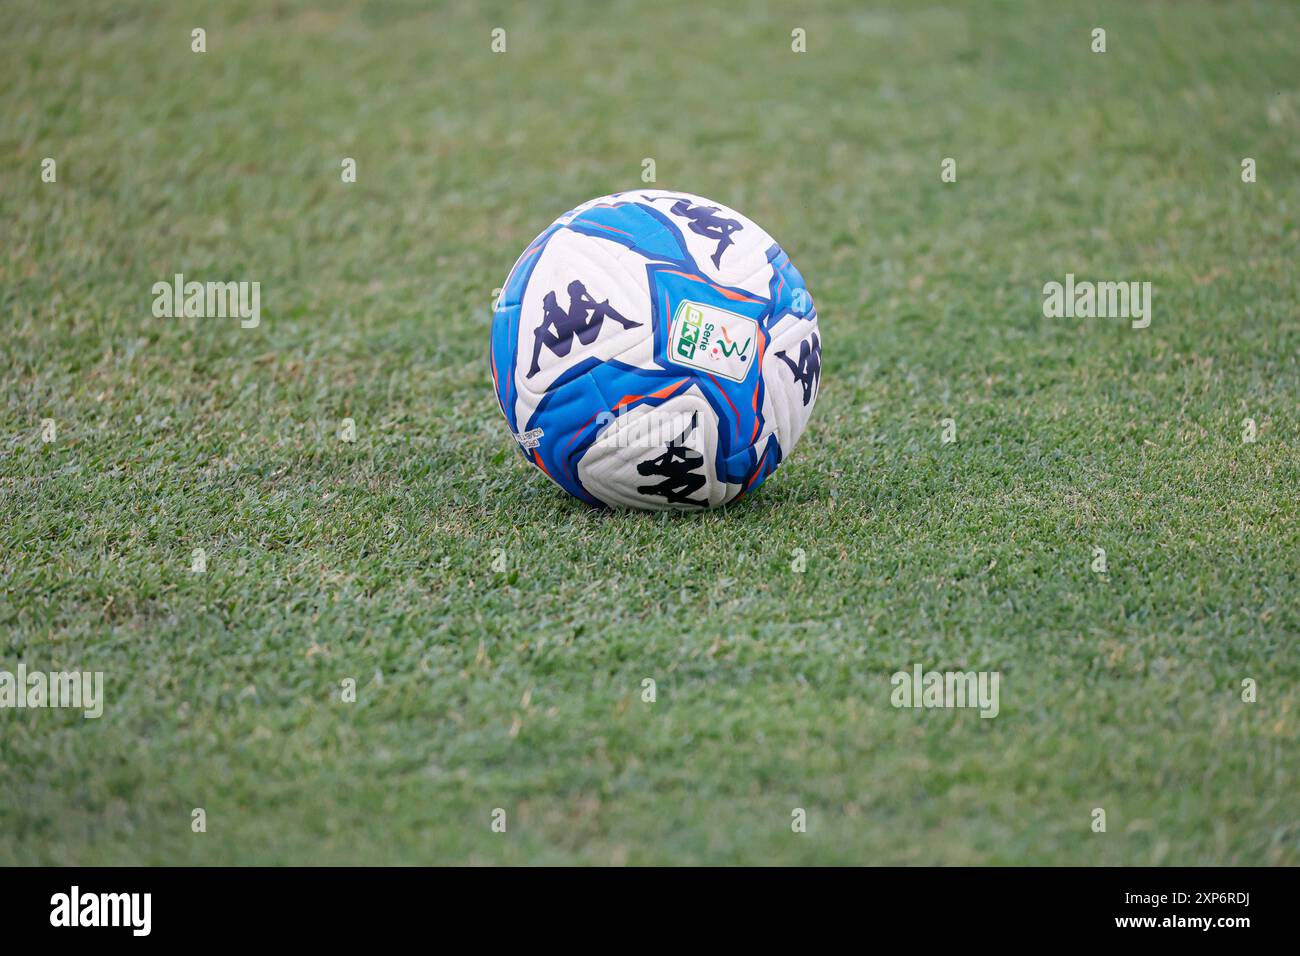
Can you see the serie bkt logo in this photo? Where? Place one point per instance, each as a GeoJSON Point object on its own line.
{"type": "Point", "coordinates": [712, 340]}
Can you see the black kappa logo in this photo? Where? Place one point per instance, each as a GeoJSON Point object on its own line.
{"type": "Point", "coordinates": [677, 466]}
{"type": "Point", "coordinates": [705, 221]}
{"type": "Point", "coordinates": [807, 371]}
{"type": "Point", "coordinates": [584, 319]}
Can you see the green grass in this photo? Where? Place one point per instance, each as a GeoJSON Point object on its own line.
{"type": "Point", "coordinates": [522, 689]}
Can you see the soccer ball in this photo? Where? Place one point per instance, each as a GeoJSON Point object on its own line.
{"type": "Point", "coordinates": [653, 349]}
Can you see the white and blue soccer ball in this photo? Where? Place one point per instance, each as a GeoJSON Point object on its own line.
{"type": "Point", "coordinates": [653, 349]}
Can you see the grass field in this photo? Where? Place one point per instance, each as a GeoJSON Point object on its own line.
{"type": "Point", "coordinates": [521, 689]}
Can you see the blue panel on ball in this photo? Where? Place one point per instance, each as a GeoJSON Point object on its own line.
{"type": "Point", "coordinates": [634, 226]}
{"type": "Point", "coordinates": [787, 290]}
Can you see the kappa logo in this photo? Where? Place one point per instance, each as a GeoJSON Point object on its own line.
{"type": "Point", "coordinates": [807, 371]}
{"type": "Point", "coordinates": [705, 221]}
{"type": "Point", "coordinates": [584, 318]}
{"type": "Point", "coordinates": [713, 340]}
{"type": "Point", "coordinates": [677, 467]}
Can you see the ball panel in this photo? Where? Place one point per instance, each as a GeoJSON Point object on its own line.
{"type": "Point", "coordinates": [659, 456]}
{"type": "Point", "coordinates": [567, 420]}
{"type": "Point", "coordinates": [792, 371]}
{"type": "Point", "coordinates": [580, 305]}
{"type": "Point", "coordinates": [723, 245]}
